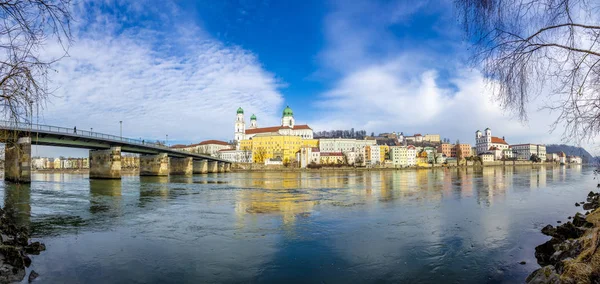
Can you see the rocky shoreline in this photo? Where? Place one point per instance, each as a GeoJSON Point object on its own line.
{"type": "Point", "coordinates": [15, 249]}
{"type": "Point", "coordinates": [573, 254]}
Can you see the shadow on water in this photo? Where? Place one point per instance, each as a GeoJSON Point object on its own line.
{"type": "Point", "coordinates": [105, 196]}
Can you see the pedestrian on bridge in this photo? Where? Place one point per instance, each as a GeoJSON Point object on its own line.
{"type": "Point", "coordinates": [75, 129]}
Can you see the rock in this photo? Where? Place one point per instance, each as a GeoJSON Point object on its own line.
{"type": "Point", "coordinates": [544, 252]}
{"type": "Point", "coordinates": [10, 274]}
{"type": "Point", "coordinates": [568, 231]}
{"type": "Point", "coordinates": [567, 249]}
{"type": "Point", "coordinates": [569, 218]}
{"type": "Point", "coordinates": [549, 230]}
{"type": "Point", "coordinates": [32, 276]}
{"type": "Point", "coordinates": [558, 222]}
{"type": "Point", "coordinates": [590, 206]}
{"type": "Point", "coordinates": [12, 256]}
{"type": "Point", "coordinates": [35, 248]}
{"type": "Point", "coordinates": [522, 263]}
{"type": "Point", "coordinates": [580, 221]}
{"type": "Point", "coordinates": [26, 260]}
{"type": "Point", "coordinates": [577, 204]}
{"type": "Point", "coordinates": [545, 275]}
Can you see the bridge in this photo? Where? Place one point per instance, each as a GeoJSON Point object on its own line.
{"type": "Point", "coordinates": [105, 152]}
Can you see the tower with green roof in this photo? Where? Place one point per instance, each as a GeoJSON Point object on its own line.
{"type": "Point", "coordinates": [287, 118]}
{"type": "Point", "coordinates": [240, 125]}
{"type": "Point", "coordinates": [253, 122]}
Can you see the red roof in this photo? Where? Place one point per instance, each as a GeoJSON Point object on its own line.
{"type": "Point", "coordinates": [213, 142]}
{"type": "Point", "coordinates": [315, 149]}
{"type": "Point", "coordinates": [498, 140]}
{"type": "Point", "coordinates": [178, 146]}
{"type": "Point", "coordinates": [275, 129]}
{"type": "Point", "coordinates": [418, 135]}
{"type": "Point", "coordinates": [301, 126]}
{"type": "Point", "coordinates": [332, 154]}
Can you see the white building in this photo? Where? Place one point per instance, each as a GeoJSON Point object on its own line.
{"type": "Point", "coordinates": [308, 155]}
{"type": "Point", "coordinates": [403, 156]}
{"type": "Point", "coordinates": [374, 154]}
{"type": "Point", "coordinates": [485, 141]}
{"type": "Point", "coordinates": [208, 147]}
{"type": "Point", "coordinates": [574, 160]}
{"type": "Point", "coordinates": [288, 127]}
{"type": "Point", "coordinates": [344, 145]}
{"type": "Point", "coordinates": [486, 157]}
{"type": "Point", "coordinates": [525, 151]}
{"type": "Point", "coordinates": [552, 157]}
{"type": "Point", "coordinates": [236, 156]}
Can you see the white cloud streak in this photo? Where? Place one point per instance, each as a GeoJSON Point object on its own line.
{"type": "Point", "coordinates": [400, 89]}
{"type": "Point", "coordinates": [176, 81]}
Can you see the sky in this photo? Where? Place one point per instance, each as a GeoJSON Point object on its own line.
{"type": "Point", "coordinates": [182, 68]}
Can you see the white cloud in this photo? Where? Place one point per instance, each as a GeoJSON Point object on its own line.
{"type": "Point", "coordinates": [401, 89]}
{"type": "Point", "coordinates": [176, 81]}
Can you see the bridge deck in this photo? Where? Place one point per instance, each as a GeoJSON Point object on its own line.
{"type": "Point", "coordinates": [67, 137]}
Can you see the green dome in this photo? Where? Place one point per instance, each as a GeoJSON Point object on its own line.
{"type": "Point", "coordinates": [253, 117]}
{"type": "Point", "coordinates": [240, 110]}
{"type": "Point", "coordinates": [288, 111]}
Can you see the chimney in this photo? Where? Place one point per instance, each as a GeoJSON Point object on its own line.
{"type": "Point", "coordinates": [503, 138]}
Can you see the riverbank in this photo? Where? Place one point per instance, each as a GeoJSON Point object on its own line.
{"type": "Point", "coordinates": [572, 255]}
{"type": "Point", "coordinates": [14, 250]}
{"type": "Point", "coordinates": [263, 168]}
{"type": "Point", "coordinates": [78, 171]}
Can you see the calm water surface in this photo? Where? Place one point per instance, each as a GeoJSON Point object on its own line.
{"type": "Point", "coordinates": [419, 226]}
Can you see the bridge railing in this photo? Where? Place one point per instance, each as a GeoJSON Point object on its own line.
{"type": "Point", "coordinates": [22, 126]}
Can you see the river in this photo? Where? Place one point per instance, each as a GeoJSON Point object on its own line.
{"type": "Point", "coordinates": [418, 226]}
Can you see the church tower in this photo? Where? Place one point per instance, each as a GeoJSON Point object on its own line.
{"type": "Point", "coordinates": [240, 125]}
{"type": "Point", "coordinates": [253, 122]}
{"type": "Point", "coordinates": [288, 117]}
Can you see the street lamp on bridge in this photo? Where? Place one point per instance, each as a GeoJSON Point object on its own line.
{"type": "Point", "coordinates": [121, 129]}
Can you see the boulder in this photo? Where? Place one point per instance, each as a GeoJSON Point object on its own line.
{"type": "Point", "coordinates": [32, 276]}
{"type": "Point", "coordinates": [544, 252]}
{"type": "Point", "coordinates": [549, 230]}
{"type": "Point", "coordinates": [545, 275]}
{"type": "Point", "coordinates": [580, 221]}
{"type": "Point", "coordinates": [35, 248]}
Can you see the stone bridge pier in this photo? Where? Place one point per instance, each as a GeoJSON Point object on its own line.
{"type": "Point", "coordinates": [201, 167]}
{"type": "Point", "coordinates": [182, 166]}
{"type": "Point", "coordinates": [154, 165]}
{"type": "Point", "coordinates": [105, 164]}
{"type": "Point", "coordinates": [213, 166]}
{"type": "Point", "coordinates": [17, 161]}
{"type": "Point", "coordinates": [228, 167]}
{"type": "Point", "coordinates": [221, 168]}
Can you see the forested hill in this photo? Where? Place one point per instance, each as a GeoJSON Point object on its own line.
{"type": "Point", "coordinates": [570, 150]}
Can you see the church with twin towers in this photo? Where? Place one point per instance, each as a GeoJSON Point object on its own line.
{"type": "Point", "coordinates": [288, 127]}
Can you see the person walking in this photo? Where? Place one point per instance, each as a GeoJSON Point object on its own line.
{"type": "Point", "coordinates": [75, 129]}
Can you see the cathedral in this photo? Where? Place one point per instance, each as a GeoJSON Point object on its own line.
{"type": "Point", "coordinates": [288, 127]}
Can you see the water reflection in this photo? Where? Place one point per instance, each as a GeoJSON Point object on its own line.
{"type": "Point", "coordinates": [17, 201]}
{"type": "Point", "coordinates": [442, 225]}
{"type": "Point", "coordinates": [105, 196]}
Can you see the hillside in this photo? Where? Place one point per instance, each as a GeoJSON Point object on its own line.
{"type": "Point", "coordinates": [570, 150]}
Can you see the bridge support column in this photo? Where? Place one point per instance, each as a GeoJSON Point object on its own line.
{"type": "Point", "coordinates": [181, 166]}
{"type": "Point", "coordinates": [213, 167]}
{"type": "Point", "coordinates": [228, 167]}
{"type": "Point", "coordinates": [221, 167]}
{"type": "Point", "coordinates": [17, 161]}
{"type": "Point", "coordinates": [105, 164]}
{"type": "Point", "coordinates": [201, 167]}
{"type": "Point", "coordinates": [154, 165]}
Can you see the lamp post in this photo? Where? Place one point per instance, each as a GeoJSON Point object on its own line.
{"type": "Point", "coordinates": [121, 129]}
{"type": "Point", "coordinates": [167, 141]}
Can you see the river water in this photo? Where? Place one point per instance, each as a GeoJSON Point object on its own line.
{"type": "Point", "coordinates": [417, 226]}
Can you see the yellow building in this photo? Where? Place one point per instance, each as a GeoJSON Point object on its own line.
{"type": "Point", "coordinates": [332, 158]}
{"type": "Point", "coordinates": [422, 160]}
{"type": "Point", "coordinates": [312, 143]}
{"type": "Point", "coordinates": [383, 150]}
{"type": "Point", "coordinates": [269, 146]}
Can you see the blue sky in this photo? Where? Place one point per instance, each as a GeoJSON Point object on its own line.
{"type": "Point", "coordinates": [183, 67]}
